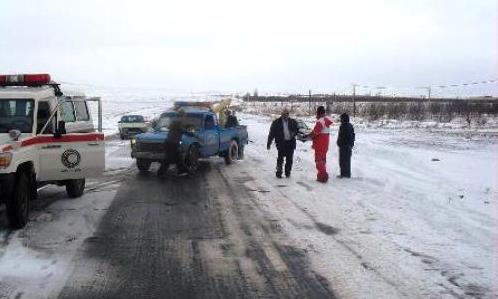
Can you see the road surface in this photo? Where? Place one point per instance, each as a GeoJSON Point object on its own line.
{"type": "Point", "coordinates": [190, 237]}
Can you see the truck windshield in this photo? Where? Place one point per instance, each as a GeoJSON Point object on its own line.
{"type": "Point", "coordinates": [16, 114]}
{"type": "Point", "coordinates": [132, 119]}
{"type": "Point", "coordinates": [188, 121]}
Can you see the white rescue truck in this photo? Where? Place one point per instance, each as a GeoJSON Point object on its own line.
{"type": "Point", "coordinates": [46, 137]}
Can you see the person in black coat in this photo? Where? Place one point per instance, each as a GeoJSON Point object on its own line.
{"type": "Point", "coordinates": [232, 120]}
{"type": "Point", "coordinates": [283, 130]}
{"type": "Point", "coordinates": [345, 142]}
{"type": "Point", "coordinates": [171, 147]}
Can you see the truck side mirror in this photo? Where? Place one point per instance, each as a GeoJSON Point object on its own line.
{"type": "Point", "coordinates": [61, 129]}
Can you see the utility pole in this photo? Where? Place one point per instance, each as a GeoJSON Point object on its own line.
{"type": "Point", "coordinates": [354, 99]}
{"type": "Point", "coordinates": [380, 88]}
{"type": "Point", "coordinates": [428, 88]}
{"type": "Point", "coordinates": [309, 103]}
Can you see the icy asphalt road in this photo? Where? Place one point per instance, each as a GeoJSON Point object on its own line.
{"type": "Point", "coordinates": [190, 237]}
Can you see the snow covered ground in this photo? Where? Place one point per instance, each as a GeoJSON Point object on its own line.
{"type": "Point", "coordinates": [418, 219]}
{"type": "Point", "coordinates": [35, 261]}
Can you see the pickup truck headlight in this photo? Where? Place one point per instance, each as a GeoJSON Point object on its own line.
{"type": "Point", "coordinates": [133, 141]}
{"type": "Point", "coordinates": [5, 159]}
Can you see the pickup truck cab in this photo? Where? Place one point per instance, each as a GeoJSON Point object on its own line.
{"type": "Point", "coordinates": [131, 125]}
{"type": "Point", "coordinates": [202, 138]}
{"type": "Point", "coordinates": [46, 137]}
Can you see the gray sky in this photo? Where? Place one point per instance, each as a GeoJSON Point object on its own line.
{"type": "Point", "coordinates": [229, 45]}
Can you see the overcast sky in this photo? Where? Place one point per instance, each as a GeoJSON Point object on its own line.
{"type": "Point", "coordinates": [229, 45]}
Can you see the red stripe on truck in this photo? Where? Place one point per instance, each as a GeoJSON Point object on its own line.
{"type": "Point", "coordinates": [64, 138]}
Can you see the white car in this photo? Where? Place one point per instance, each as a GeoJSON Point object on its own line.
{"type": "Point", "coordinates": [46, 137]}
{"type": "Point", "coordinates": [131, 125]}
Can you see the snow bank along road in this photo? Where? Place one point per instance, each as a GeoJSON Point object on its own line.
{"type": "Point", "coordinates": [411, 223]}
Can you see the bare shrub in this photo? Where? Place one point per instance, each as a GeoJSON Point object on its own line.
{"type": "Point", "coordinates": [416, 111]}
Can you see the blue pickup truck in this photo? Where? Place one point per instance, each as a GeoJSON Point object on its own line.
{"type": "Point", "coordinates": [202, 138]}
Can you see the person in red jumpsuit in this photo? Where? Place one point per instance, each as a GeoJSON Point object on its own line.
{"type": "Point", "coordinates": [320, 136]}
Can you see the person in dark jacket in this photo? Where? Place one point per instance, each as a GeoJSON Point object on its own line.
{"type": "Point", "coordinates": [171, 144]}
{"type": "Point", "coordinates": [283, 130]}
{"type": "Point", "coordinates": [345, 142]}
{"type": "Point", "coordinates": [232, 120]}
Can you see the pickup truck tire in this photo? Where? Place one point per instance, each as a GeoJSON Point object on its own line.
{"type": "Point", "coordinates": [191, 162]}
{"type": "Point", "coordinates": [232, 153]}
{"type": "Point", "coordinates": [143, 165]}
{"type": "Point", "coordinates": [18, 204]}
{"type": "Point", "coordinates": [75, 188]}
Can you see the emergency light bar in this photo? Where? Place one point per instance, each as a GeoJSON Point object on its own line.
{"type": "Point", "coordinates": [25, 80]}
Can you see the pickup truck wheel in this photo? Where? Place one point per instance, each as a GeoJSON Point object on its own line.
{"type": "Point", "coordinates": [75, 188]}
{"type": "Point", "coordinates": [232, 153]}
{"type": "Point", "coordinates": [18, 204]}
{"type": "Point", "coordinates": [143, 165]}
{"type": "Point", "coordinates": [192, 160]}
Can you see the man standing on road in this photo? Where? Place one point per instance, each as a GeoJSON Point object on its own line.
{"type": "Point", "coordinates": [283, 130]}
{"type": "Point", "coordinates": [320, 136]}
{"type": "Point", "coordinates": [171, 144]}
{"type": "Point", "coordinates": [345, 142]}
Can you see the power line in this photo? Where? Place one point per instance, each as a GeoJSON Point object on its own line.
{"type": "Point", "coordinates": [469, 83]}
{"type": "Point", "coordinates": [434, 85]}
{"type": "Point", "coordinates": [428, 88]}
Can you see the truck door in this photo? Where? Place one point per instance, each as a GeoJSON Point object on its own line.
{"type": "Point", "coordinates": [211, 140]}
{"type": "Point", "coordinates": [77, 117]}
{"type": "Point", "coordinates": [71, 155]}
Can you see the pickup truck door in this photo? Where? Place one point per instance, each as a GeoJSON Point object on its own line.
{"type": "Point", "coordinates": [210, 137]}
{"type": "Point", "coordinates": [69, 156]}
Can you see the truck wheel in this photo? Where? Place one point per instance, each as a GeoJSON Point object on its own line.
{"type": "Point", "coordinates": [232, 153]}
{"type": "Point", "coordinates": [18, 204]}
{"type": "Point", "coordinates": [192, 160]}
{"type": "Point", "coordinates": [34, 186]}
{"type": "Point", "coordinates": [75, 188]}
{"type": "Point", "coordinates": [143, 165]}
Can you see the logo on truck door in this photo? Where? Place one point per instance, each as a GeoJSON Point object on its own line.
{"type": "Point", "coordinates": [71, 158]}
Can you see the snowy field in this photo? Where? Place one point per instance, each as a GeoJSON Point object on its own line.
{"type": "Point", "coordinates": [419, 215]}
{"type": "Point", "coordinates": [418, 218]}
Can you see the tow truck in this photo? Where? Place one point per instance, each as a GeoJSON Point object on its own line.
{"type": "Point", "coordinates": [46, 137]}
{"type": "Point", "coordinates": [203, 136]}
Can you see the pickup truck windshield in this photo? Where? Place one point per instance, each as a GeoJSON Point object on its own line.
{"type": "Point", "coordinates": [188, 121]}
{"type": "Point", "coordinates": [16, 114]}
{"type": "Point", "coordinates": [132, 119]}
